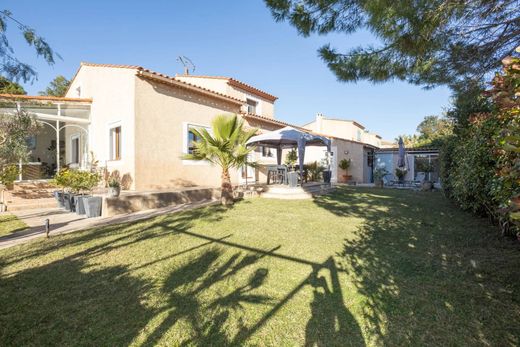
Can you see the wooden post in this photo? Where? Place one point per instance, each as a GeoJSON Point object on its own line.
{"type": "Point", "coordinates": [47, 227]}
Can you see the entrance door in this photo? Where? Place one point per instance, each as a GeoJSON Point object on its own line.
{"type": "Point", "coordinates": [334, 164]}
{"type": "Point", "coordinates": [368, 167]}
{"type": "Point", "coordinates": [247, 173]}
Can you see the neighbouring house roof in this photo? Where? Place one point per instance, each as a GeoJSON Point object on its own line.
{"type": "Point", "coordinates": [410, 149]}
{"type": "Point", "coordinates": [150, 74]}
{"type": "Point", "coordinates": [43, 98]}
{"type": "Point", "coordinates": [276, 122]}
{"type": "Point", "coordinates": [359, 125]}
{"type": "Point", "coordinates": [236, 83]}
{"type": "Point", "coordinates": [284, 124]}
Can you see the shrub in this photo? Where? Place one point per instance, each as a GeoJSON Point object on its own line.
{"type": "Point", "coordinates": [314, 170]}
{"type": "Point", "coordinates": [114, 183]}
{"type": "Point", "coordinates": [77, 181]}
{"type": "Point", "coordinates": [480, 165]}
{"type": "Point", "coordinates": [380, 173]}
{"type": "Point", "coordinates": [344, 164]}
{"type": "Point", "coordinates": [400, 172]}
{"type": "Point", "coordinates": [62, 179]}
{"type": "Point", "coordinates": [9, 174]}
{"type": "Point", "coordinates": [291, 157]}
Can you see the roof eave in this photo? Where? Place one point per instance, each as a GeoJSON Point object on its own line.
{"type": "Point", "coordinates": [188, 86]}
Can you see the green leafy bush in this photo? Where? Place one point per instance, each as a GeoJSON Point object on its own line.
{"type": "Point", "coordinates": [114, 183]}
{"type": "Point", "coordinates": [77, 181]}
{"type": "Point", "coordinates": [480, 164]}
{"type": "Point", "coordinates": [380, 173]}
{"type": "Point", "coordinates": [314, 171]}
{"type": "Point", "coordinates": [344, 164]}
{"type": "Point", "coordinates": [9, 174]}
{"type": "Point", "coordinates": [291, 157]}
{"type": "Point", "coordinates": [400, 172]}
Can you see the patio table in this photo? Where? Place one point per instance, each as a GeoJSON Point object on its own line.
{"type": "Point", "coordinates": [278, 173]}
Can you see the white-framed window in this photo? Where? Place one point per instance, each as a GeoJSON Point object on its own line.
{"type": "Point", "coordinates": [251, 106]}
{"type": "Point", "coordinates": [74, 149]}
{"type": "Point", "coordinates": [115, 149]}
{"type": "Point", "coordinates": [193, 137]}
{"type": "Point", "coordinates": [189, 138]}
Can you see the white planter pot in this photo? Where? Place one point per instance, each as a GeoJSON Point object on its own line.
{"type": "Point", "coordinates": [114, 192]}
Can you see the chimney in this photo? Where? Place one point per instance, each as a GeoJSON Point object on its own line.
{"type": "Point", "coordinates": [319, 122]}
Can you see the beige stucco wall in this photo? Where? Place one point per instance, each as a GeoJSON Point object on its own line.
{"type": "Point", "coordinates": [112, 91]}
{"type": "Point", "coordinates": [265, 107]}
{"type": "Point", "coordinates": [344, 129]}
{"type": "Point", "coordinates": [354, 152]}
{"type": "Point", "coordinates": [216, 84]}
{"type": "Point", "coordinates": [162, 113]}
{"type": "Point", "coordinates": [342, 149]}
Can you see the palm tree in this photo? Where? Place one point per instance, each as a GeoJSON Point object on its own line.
{"type": "Point", "coordinates": [225, 147]}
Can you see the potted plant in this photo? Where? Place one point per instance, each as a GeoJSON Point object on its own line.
{"type": "Point", "coordinates": [3, 206]}
{"type": "Point", "coordinates": [314, 171]}
{"type": "Point", "coordinates": [91, 204]}
{"type": "Point", "coordinates": [8, 175]}
{"type": "Point", "coordinates": [290, 158]}
{"type": "Point", "coordinates": [114, 187]}
{"type": "Point", "coordinates": [400, 172]}
{"type": "Point", "coordinates": [344, 165]}
{"type": "Point", "coordinates": [59, 181]}
{"type": "Point", "coordinates": [325, 163]}
{"type": "Point", "coordinates": [64, 180]}
{"type": "Point", "coordinates": [84, 183]}
{"type": "Point", "coordinates": [427, 184]}
{"type": "Point", "coordinates": [379, 174]}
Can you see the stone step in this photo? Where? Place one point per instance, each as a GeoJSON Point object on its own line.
{"type": "Point", "coordinates": [32, 204]}
{"type": "Point", "coordinates": [306, 192]}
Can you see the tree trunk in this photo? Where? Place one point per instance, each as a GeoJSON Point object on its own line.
{"type": "Point", "coordinates": [226, 189]}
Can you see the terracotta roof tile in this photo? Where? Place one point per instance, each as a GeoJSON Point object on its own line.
{"type": "Point", "coordinates": [83, 63]}
{"type": "Point", "coordinates": [236, 83]}
{"type": "Point", "coordinates": [173, 80]}
{"type": "Point", "coordinates": [161, 75]}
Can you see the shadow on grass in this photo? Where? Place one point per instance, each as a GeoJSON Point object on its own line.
{"type": "Point", "coordinates": [10, 225]}
{"type": "Point", "coordinates": [430, 274]}
{"type": "Point", "coordinates": [186, 288]}
{"type": "Point", "coordinates": [427, 274]}
{"type": "Point", "coordinates": [66, 303]}
{"type": "Point", "coordinates": [111, 237]}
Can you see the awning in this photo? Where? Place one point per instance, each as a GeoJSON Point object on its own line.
{"type": "Point", "coordinates": [290, 137]}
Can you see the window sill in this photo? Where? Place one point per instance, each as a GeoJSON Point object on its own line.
{"type": "Point", "coordinates": [195, 162]}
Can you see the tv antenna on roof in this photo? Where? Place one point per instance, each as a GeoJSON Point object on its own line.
{"type": "Point", "coordinates": [187, 63]}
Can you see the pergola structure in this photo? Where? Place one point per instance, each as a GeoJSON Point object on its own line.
{"type": "Point", "coordinates": [290, 137]}
{"type": "Point", "coordinates": [57, 113]}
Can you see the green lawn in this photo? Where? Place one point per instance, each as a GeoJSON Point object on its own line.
{"type": "Point", "coordinates": [10, 224]}
{"type": "Point", "coordinates": [360, 267]}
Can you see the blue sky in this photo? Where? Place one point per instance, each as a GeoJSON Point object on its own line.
{"type": "Point", "coordinates": [233, 38]}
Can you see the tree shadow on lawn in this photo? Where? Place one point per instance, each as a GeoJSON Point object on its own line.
{"type": "Point", "coordinates": [431, 274]}
{"type": "Point", "coordinates": [105, 238]}
{"type": "Point", "coordinates": [331, 323]}
{"type": "Point", "coordinates": [77, 301]}
{"type": "Point", "coordinates": [188, 288]}
{"type": "Point", "coordinates": [70, 302]}
{"type": "Point", "coordinates": [66, 303]}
